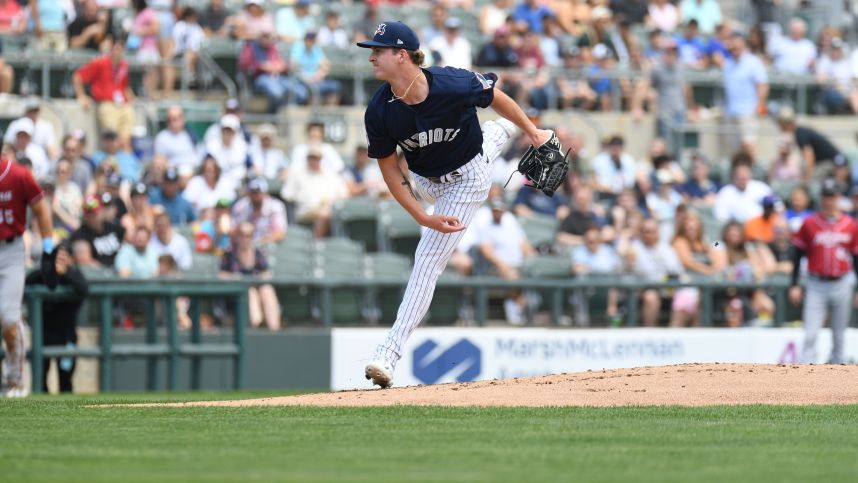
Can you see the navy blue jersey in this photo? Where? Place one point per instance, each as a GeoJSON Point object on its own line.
{"type": "Point", "coordinates": [439, 134]}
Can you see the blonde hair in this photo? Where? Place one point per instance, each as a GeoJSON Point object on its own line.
{"type": "Point", "coordinates": [417, 56]}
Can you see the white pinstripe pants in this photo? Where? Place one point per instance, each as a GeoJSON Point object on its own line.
{"type": "Point", "coordinates": [461, 198]}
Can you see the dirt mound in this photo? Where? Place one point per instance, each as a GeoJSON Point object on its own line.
{"type": "Point", "coordinates": [684, 385]}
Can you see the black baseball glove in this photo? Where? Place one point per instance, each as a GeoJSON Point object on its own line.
{"type": "Point", "coordinates": [545, 166]}
{"type": "Point", "coordinates": [49, 269]}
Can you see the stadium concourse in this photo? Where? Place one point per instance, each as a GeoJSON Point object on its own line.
{"type": "Point", "coordinates": [222, 138]}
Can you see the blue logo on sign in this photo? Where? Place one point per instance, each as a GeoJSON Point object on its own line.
{"type": "Point", "coordinates": [463, 357]}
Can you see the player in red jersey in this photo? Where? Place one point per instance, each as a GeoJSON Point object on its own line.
{"type": "Point", "coordinates": [829, 239]}
{"type": "Point", "coordinates": [18, 190]}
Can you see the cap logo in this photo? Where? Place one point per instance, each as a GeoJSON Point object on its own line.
{"type": "Point", "coordinates": [399, 42]}
{"type": "Point", "coordinates": [380, 29]}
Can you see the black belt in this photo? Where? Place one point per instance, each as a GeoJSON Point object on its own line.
{"type": "Point", "coordinates": [825, 278]}
{"type": "Point", "coordinates": [451, 176]}
{"type": "Point", "coordinates": [9, 241]}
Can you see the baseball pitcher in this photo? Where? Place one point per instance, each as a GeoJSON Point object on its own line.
{"type": "Point", "coordinates": [431, 115]}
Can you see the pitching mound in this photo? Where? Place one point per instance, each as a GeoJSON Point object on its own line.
{"type": "Point", "coordinates": [684, 385]}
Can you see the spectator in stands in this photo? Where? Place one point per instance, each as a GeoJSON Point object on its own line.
{"type": "Point", "coordinates": [188, 38]}
{"type": "Point", "coordinates": [777, 256]}
{"type": "Point", "coordinates": [332, 34]}
{"type": "Point", "coordinates": [528, 203]}
{"type": "Point", "coordinates": [213, 132]}
{"type": "Point", "coordinates": [23, 130]}
{"type": "Point", "coordinates": [740, 199]}
{"type": "Point", "coordinates": [601, 62]}
{"type": "Point", "coordinates": [437, 20]}
{"type": "Point", "coordinates": [550, 43]}
{"type": "Point", "coordinates": [614, 169]}
{"type": "Point", "coordinates": [107, 78]}
{"type": "Point", "coordinates": [60, 316]}
{"type": "Point", "coordinates": [311, 67]}
{"type": "Point", "coordinates": [716, 49]}
{"type": "Point", "coordinates": [108, 187]}
{"type": "Point", "coordinates": [136, 259]}
{"type": "Point", "coordinates": [626, 216]}
{"type": "Point", "coordinates": [700, 189]}
{"type": "Point", "coordinates": [144, 39]}
{"type": "Point", "coordinates": [43, 131]}
{"type": "Point", "coordinates": [815, 148]}
{"type": "Point", "coordinates": [786, 166]}
{"type": "Point", "coordinates": [48, 18]}
{"type": "Point", "coordinates": [104, 237]}
{"type": "Point", "coordinates": [793, 54]}
{"type": "Point", "coordinates": [836, 72]}
{"type": "Point", "coordinates": [266, 213]}
{"type": "Point", "coordinates": [331, 159]}
{"type": "Point", "coordinates": [168, 196]}
{"type": "Point", "coordinates": [528, 16]}
{"type": "Point", "coordinates": [581, 216]}
{"type": "Point", "coordinates": [597, 257]}
{"type": "Point", "coordinates": [499, 52]}
{"type": "Point", "coordinates": [167, 242]}
{"type": "Point", "coordinates": [364, 177]}
{"type": "Point", "coordinates": [633, 12]}
{"type": "Point", "coordinates": [231, 151]}
{"type": "Point", "coordinates": [215, 229]}
{"type": "Point", "coordinates": [761, 228]}
{"type": "Point", "coordinates": [707, 14]}
{"type": "Point", "coordinates": [293, 23]}
{"type": "Point", "coordinates": [662, 15]}
{"type": "Point", "coordinates": [253, 20]}
{"type": "Point", "coordinates": [89, 28]}
{"type": "Point", "coordinates": [112, 152]}
{"type": "Point", "coordinates": [691, 46]}
{"type": "Point", "coordinates": [82, 254]}
{"type": "Point", "coordinates": [13, 19]}
{"type": "Point", "coordinates": [269, 72]}
{"type": "Point", "coordinates": [573, 91]}
{"type": "Point", "coordinates": [494, 14]}
{"type": "Point", "coordinates": [746, 90]}
{"type": "Point", "coordinates": [672, 91]}
{"type": "Point", "coordinates": [842, 173]}
{"type": "Point", "coordinates": [245, 258]}
{"type": "Point", "coordinates": [314, 191]}
{"type": "Point", "coordinates": [365, 27]}
{"type": "Point", "coordinates": [451, 49]}
{"type": "Point", "coordinates": [598, 32]}
{"type": "Point", "coordinates": [744, 265]}
{"type": "Point", "coordinates": [205, 189]}
{"type": "Point", "coordinates": [67, 205]}
{"type": "Point", "coordinates": [504, 246]}
{"type": "Point", "coordinates": [697, 255]}
{"type": "Point", "coordinates": [140, 211]}
{"type": "Point", "coordinates": [663, 202]}
{"type": "Point", "coordinates": [215, 19]}
{"type": "Point", "coordinates": [177, 143]}
{"type": "Point", "coordinates": [82, 168]}
{"type": "Point", "coordinates": [269, 160]}
{"type": "Point", "coordinates": [654, 260]}
{"type": "Point", "coordinates": [800, 207]}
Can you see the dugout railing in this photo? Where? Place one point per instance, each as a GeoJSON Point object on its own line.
{"type": "Point", "coordinates": [324, 292]}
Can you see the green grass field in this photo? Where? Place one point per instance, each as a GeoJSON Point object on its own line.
{"type": "Point", "coordinates": [61, 439]}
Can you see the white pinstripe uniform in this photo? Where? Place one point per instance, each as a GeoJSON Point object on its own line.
{"type": "Point", "coordinates": [458, 195]}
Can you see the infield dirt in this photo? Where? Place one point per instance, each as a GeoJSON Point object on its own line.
{"type": "Point", "coordinates": [682, 385]}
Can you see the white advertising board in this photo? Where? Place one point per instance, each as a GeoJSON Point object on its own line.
{"type": "Point", "coordinates": [438, 355]}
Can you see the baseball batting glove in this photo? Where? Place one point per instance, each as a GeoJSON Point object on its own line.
{"type": "Point", "coordinates": [546, 166]}
{"type": "Point", "coordinates": [49, 265]}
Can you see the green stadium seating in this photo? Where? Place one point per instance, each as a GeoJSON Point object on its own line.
{"type": "Point", "coordinates": [399, 232]}
{"type": "Point", "coordinates": [357, 219]}
{"type": "Point", "coordinates": [540, 230]}
{"type": "Point", "coordinates": [384, 301]}
{"type": "Point", "coordinates": [446, 302]}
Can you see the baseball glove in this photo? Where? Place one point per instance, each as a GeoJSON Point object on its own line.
{"type": "Point", "coordinates": [545, 166]}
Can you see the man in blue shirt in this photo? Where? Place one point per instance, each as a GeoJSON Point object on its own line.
{"type": "Point", "coordinates": [126, 162]}
{"type": "Point", "coordinates": [528, 15]}
{"type": "Point", "coordinates": [431, 115]}
{"type": "Point", "coordinates": [168, 196]}
{"type": "Point", "coordinates": [746, 89]}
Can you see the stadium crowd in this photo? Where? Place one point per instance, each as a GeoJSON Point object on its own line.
{"type": "Point", "coordinates": [237, 191]}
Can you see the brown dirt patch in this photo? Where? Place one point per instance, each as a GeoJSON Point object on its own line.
{"type": "Point", "coordinates": [684, 385]}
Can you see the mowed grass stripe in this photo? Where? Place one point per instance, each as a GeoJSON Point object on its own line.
{"type": "Point", "coordinates": [65, 440]}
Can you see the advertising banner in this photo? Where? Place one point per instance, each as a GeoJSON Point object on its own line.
{"type": "Point", "coordinates": [438, 355]}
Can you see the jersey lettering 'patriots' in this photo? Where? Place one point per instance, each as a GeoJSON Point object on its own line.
{"type": "Point", "coordinates": [425, 138]}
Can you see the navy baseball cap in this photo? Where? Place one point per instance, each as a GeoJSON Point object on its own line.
{"type": "Point", "coordinates": [393, 34]}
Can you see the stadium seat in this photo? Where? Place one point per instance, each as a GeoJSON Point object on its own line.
{"type": "Point", "coordinates": [357, 219]}
{"type": "Point", "coordinates": [446, 301]}
{"type": "Point", "coordinates": [540, 230]}
{"type": "Point", "coordinates": [384, 301]}
{"type": "Point", "coordinates": [203, 265]}
{"type": "Point", "coordinates": [399, 232]}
